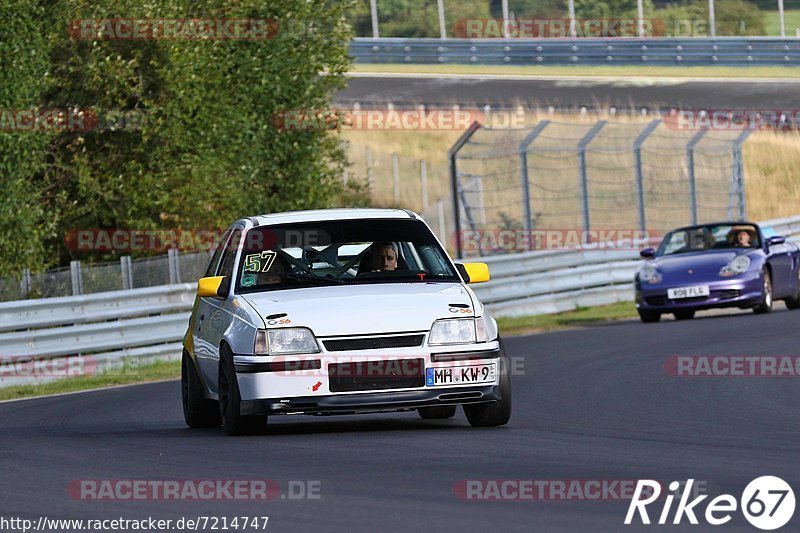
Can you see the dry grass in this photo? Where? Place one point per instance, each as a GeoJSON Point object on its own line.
{"type": "Point", "coordinates": [772, 175]}
{"type": "Point", "coordinates": [772, 166]}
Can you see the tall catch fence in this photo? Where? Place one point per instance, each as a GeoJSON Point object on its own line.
{"type": "Point", "coordinates": [513, 187]}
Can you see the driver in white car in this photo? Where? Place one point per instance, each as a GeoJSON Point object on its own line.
{"type": "Point", "coordinates": [382, 256]}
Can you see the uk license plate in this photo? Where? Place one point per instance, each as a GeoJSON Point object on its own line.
{"type": "Point", "coordinates": [459, 375]}
{"type": "Point", "coordinates": [688, 292]}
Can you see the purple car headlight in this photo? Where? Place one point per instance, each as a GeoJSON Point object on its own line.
{"type": "Point", "coordinates": [738, 265]}
{"type": "Point", "coordinates": [649, 274]}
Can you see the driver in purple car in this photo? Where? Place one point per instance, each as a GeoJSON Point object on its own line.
{"type": "Point", "coordinates": [743, 239]}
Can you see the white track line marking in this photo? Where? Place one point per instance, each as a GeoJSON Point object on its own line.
{"type": "Point", "coordinates": [111, 387]}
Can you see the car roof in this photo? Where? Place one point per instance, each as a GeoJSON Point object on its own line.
{"type": "Point", "coordinates": [316, 215]}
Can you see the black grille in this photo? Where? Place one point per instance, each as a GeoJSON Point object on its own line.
{"type": "Point", "coordinates": [656, 300]}
{"type": "Point", "coordinates": [373, 343]}
{"type": "Point", "coordinates": [376, 375]}
{"type": "Point", "coordinates": [727, 294]}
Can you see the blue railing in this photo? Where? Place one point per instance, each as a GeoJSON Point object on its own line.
{"type": "Point", "coordinates": [734, 51]}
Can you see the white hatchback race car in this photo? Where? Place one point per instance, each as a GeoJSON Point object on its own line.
{"type": "Point", "coordinates": [339, 311]}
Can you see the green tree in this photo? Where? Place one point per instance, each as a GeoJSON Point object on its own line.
{"type": "Point", "coordinates": [207, 151]}
{"type": "Point", "coordinates": [24, 224]}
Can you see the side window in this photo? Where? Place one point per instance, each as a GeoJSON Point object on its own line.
{"type": "Point", "coordinates": [226, 267]}
{"type": "Point", "coordinates": [212, 265]}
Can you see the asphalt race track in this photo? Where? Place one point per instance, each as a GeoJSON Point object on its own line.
{"type": "Point", "coordinates": [652, 93]}
{"type": "Point", "coordinates": [588, 404]}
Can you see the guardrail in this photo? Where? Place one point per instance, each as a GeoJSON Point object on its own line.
{"type": "Point", "coordinates": [41, 340]}
{"type": "Point", "coordinates": [734, 51]}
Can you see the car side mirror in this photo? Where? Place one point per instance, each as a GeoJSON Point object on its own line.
{"type": "Point", "coordinates": [474, 272]}
{"type": "Point", "coordinates": [213, 287]}
{"type": "Point", "coordinates": [648, 253]}
{"type": "Point", "coordinates": [777, 239]}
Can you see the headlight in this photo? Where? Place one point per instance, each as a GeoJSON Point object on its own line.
{"type": "Point", "coordinates": [737, 266]}
{"type": "Point", "coordinates": [285, 341]}
{"type": "Point", "coordinates": [453, 331]}
{"type": "Point", "coordinates": [649, 274]}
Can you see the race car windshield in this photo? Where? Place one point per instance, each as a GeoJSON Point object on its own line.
{"type": "Point", "coordinates": [710, 237]}
{"type": "Point", "coordinates": [341, 252]}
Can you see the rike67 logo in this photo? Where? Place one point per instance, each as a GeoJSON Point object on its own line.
{"type": "Point", "coordinates": [767, 503]}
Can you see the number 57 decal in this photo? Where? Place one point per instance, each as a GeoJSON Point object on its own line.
{"type": "Point", "coordinates": [259, 262]}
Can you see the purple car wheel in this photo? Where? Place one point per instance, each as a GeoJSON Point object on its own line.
{"type": "Point", "coordinates": [649, 316]}
{"type": "Point", "coordinates": [766, 304]}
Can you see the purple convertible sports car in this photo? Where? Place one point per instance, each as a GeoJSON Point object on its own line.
{"type": "Point", "coordinates": [726, 264]}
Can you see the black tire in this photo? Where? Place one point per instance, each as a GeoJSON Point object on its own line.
{"type": "Point", "coordinates": [649, 316]}
{"type": "Point", "coordinates": [684, 315]}
{"type": "Point", "coordinates": [794, 301]}
{"type": "Point", "coordinates": [233, 421]}
{"type": "Point", "coordinates": [766, 305]}
{"type": "Point", "coordinates": [438, 412]}
{"type": "Point", "coordinates": [198, 411]}
{"type": "Point", "coordinates": [493, 414]}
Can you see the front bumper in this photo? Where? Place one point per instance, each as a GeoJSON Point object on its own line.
{"type": "Point", "coordinates": [372, 401]}
{"type": "Point", "coordinates": [742, 291]}
{"type": "Point", "coordinates": [324, 383]}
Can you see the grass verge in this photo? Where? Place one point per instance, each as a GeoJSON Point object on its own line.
{"type": "Point", "coordinates": [773, 24]}
{"type": "Point", "coordinates": [583, 316]}
{"type": "Point", "coordinates": [157, 371]}
{"type": "Point", "coordinates": [586, 70]}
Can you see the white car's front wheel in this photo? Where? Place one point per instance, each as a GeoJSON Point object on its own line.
{"type": "Point", "coordinates": [198, 412]}
{"type": "Point", "coordinates": [437, 412]}
{"type": "Point", "coordinates": [494, 413]}
{"type": "Point", "coordinates": [230, 401]}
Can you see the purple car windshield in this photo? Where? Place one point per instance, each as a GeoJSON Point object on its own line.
{"type": "Point", "coordinates": [709, 237]}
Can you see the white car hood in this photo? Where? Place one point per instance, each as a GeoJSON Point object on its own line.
{"type": "Point", "coordinates": [359, 309]}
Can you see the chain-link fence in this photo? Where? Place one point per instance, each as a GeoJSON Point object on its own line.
{"type": "Point", "coordinates": [81, 278]}
{"type": "Point", "coordinates": [586, 178]}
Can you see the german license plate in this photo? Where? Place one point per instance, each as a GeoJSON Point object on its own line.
{"type": "Point", "coordinates": [688, 292]}
{"type": "Point", "coordinates": [458, 375]}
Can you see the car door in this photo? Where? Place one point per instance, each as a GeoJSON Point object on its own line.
{"type": "Point", "coordinates": [212, 319]}
{"type": "Point", "coordinates": [202, 349]}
